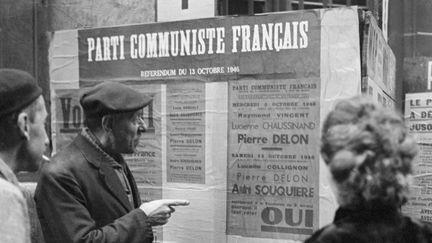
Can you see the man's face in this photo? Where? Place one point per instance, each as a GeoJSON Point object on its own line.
{"type": "Point", "coordinates": [38, 138]}
{"type": "Point", "coordinates": [127, 129]}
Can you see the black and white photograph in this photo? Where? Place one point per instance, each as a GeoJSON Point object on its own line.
{"type": "Point", "coordinates": [216, 121]}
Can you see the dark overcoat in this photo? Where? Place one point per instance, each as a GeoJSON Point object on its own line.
{"type": "Point", "coordinates": [377, 225]}
{"type": "Point", "coordinates": [80, 198]}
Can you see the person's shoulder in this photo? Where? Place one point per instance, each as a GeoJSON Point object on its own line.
{"type": "Point", "coordinates": [64, 160]}
{"type": "Point", "coordinates": [6, 186]}
{"type": "Point", "coordinates": [67, 153]}
{"type": "Point", "coordinates": [9, 192]}
{"type": "Point", "coordinates": [321, 235]}
{"type": "Point", "coordinates": [14, 224]}
{"type": "Point", "coordinates": [413, 228]}
{"type": "Point", "coordinates": [333, 233]}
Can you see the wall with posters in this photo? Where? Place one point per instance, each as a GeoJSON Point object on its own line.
{"type": "Point", "coordinates": [235, 119]}
{"type": "Point", "coordinates": [418, 114]}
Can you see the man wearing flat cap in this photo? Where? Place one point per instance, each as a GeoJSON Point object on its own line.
{"type": "Point", "coordinates": [87, 193]}
{"type": "Point", "coordinates": [22, 142]}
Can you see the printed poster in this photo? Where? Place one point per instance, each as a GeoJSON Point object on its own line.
{"type": "Point", "coordinates": [273, 158]}
{"type": "Point", "coordinates": [186, 133]}
{"type": "Point", "coordinates": [418, 115]}
{"type": "Point", "coordinates": [145, 163]}
{"type": "Point", "coordinates": [67, 118]}
{"type": "Point", "coordinates": [371, 89]}
{"type": "Point", "coordinates": [379, 61]}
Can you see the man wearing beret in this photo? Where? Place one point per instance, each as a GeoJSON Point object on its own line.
{"type": "Point", "coordinates": [22, 142]}
{"type": "Point", "coordinates": [87, 193]}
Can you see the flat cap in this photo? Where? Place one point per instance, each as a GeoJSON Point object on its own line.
{"type": "Point", "coordinates": [110, 98]}
{"type": "Point", "coordinates": [18, 89]}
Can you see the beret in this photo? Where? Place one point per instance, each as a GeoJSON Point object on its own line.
{"type": "Point", "coordinates": [18, 89]}
{"type": "Point", "coordinates": [110, 98]}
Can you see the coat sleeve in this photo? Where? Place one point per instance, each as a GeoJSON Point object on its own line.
{"type": "Point", "coordinates": [64, 217]}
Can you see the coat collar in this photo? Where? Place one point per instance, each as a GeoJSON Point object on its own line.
{"type": "Point", "coordinates": [96, 145]}
{"type": "Point", "coordinates": [95, 157]}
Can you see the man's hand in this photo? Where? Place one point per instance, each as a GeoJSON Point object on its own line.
{"type": "Point", "coordinates": [159, 211]}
